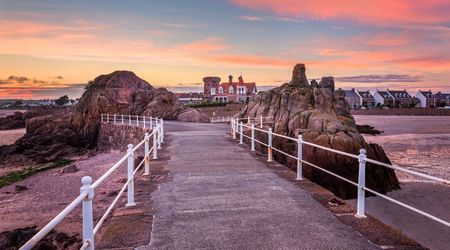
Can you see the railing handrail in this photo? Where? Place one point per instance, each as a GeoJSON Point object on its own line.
{"type": "Point", "coordinates": [87, 190]}
{"type": "Point", "coordinates": [237, 127]}
{"type": "Point", "coordinates": [437, 179]}
{"type": "Point", "coordinates": [261, 119]}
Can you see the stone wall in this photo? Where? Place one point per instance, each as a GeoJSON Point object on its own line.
{"type": "Point", "coordinates": [118, 136]}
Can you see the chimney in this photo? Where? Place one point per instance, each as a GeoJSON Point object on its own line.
{"type": "Point", "coordinates": [230, 79]}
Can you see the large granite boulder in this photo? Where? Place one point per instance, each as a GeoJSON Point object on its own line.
{"type": "Point", "coordinates": [322, 116]}
{"type": "Point", "coordinates": [193, 115]}
{"type": "Point", "coordinates": [121, 92]}
{"type": "Point", "coordinates": [61, 132]}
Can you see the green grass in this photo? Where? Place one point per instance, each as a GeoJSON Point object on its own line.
{"type": "Point", "coordinates": [207, 104]}
{"type": "Point", "coordinates": [29, 171]}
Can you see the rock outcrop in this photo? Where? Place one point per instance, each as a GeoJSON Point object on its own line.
{"type": "Point", "coordinates": [193, 115]}
{"type": "Point", "coordinates": [14, 121]}
{"type": "Point", "coordinates": [121, 92]}
{"type": "Point", "coordinates": [61, 132]}
{"type": "Point", "coordinates": [322, 116]}
{"type": "Point", "coordinates": [299, 76]}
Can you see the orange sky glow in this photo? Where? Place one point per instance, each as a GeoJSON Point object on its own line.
{"type": "Point", "coordinates": [51, 48]}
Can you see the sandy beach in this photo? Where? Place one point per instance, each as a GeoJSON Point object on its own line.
{"type": "Point", "coordinates": [422, 144]}
{"type": "Point", "coordinates": [8, 137]}
{"type": "Point", "coordinates": [49, 192]}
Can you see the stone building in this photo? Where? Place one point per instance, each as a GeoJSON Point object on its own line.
{"type": "Point", "coordinates": [359, 98]}
{"type": "Point", "coordinates": [352, 98]}
{"type": "Point", "coordinates": [230, 91]}
{"type": "Point", "coordinates": [401, 98]}
{"type": "Point", "coordinates": [442, 99]}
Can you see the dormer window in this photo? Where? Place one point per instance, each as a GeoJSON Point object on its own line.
{"type": "Point", "coordinates": [231, 90]}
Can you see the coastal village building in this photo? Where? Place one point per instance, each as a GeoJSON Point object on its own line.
{"type": "Point", "coordinates": [366, 98]}
{"type": "Point", "coordinates": [442, 99]}
{"type": "Point", "coordinates": [189, 98]}
{"type": "Point", "coordinates": [426, 98]}
{"type": "Point", "coordinates": [358, 99]}
{"type": "Point", "coordinates": [352, 98]}
{"type": "Point", "coordinates": [393, 98]}
{"type": "Point", "coordinates": [230, 91]}
{"type": "Point", "coordinates": [383, 98]}
{"type": "Point", "coordinates": [401, 98]}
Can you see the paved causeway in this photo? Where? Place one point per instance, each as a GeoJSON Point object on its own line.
{"type": "Point", "coordinates": [222, 198]}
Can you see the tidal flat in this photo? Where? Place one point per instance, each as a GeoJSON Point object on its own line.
{"type": "Point", "coordinates": [422, 144]}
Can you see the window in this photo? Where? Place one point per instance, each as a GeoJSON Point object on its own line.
{"type": "Point", "coordinates": [220, 90]}
{"type": "Point", "coordinates": [230, 89]}
{"type": "Point", "coordinates": [213, 91]}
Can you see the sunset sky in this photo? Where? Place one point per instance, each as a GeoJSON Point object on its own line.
{"type": "Point", "coordinates": [51, 48]}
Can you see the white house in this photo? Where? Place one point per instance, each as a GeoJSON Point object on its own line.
{"type": "Point", "coordinates": [383, 98]}
{"type": "Point", "coordinates": [427, 99]}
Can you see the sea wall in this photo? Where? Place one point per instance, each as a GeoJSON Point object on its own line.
{"type": "Point", "coordinates": [118, 136]}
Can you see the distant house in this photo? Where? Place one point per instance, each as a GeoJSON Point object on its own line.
{"type": "Point", "coordinates": [47, 102]}
{"type": "Point", "coordinates": [230, 91]}
{"type": "Point", "coordinates": [427, 99]}
{"type": "Point", "coordinates": [352, 98]}
{"type": "Point", "coordinates": [442, 99]}
{"type": "Point", "coordinates": [189, 98]}
{"type": "Point", "coordinates": [383, 98]}
{"type": "Point", "coordinates": [366, 98]}
{"type": "Point", "coordinates": [401, 98]}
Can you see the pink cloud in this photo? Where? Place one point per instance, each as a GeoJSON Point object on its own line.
{"type": "Point", "coordinates": [369, 11]}
{"type": "Point", "coordinates": [250, 18]}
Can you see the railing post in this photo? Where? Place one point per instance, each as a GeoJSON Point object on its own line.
{"type": "Point", "coordinates": [122, 118]}
{"type": "Point", "coordinates": [155, 145]}
{"type": "Point", "coordinates": [101, 115]}
{"type": "Point", "coordinates": [261, 122]}
{"type": "Point", "coordinates": [151, 122]}
{"type": "Point", "coordinates": [88, 220]}
{"type": "Point", "coordinates": [107, 118]}
{"type": "Point", "coordinates": [144, 120]}
{"type": "Point", "coordinates": [162, 130]}
{"type": "Point", "coordinates": [361, 184]}
{"type": "Point", "coordinates": [234, 129]}
{"type": "Point", "coordinates": [158, 127]}
{"type": "Point", "coordinates": [137, 120]}
{"type": "Point", "coordinates": [129, 119]}
{"type": "Point", "coordinates": [253, 137]}
{"type": "Point", "coordinates": [241, 135]}
{"type": "Point", "coordinates": [146, 155]}
{"type": "Point", "coordinates": [269, 148]}
{"type": "Point", "coordinates": [114, 118]}
{"type": "Point", "coordinates": [130, 189]}
{"type": "Point", "coordinates": [299, 157]}
{"type": "Point", "coordinates": [248, 120]}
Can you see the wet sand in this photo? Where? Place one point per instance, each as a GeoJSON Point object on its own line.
{"type": "Point", "coordinates": [422, 144]}
{"type": "Point", "coordinates": [8, 137]}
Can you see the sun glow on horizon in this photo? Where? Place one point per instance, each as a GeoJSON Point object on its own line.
{"type": "Point", "coordinates": [176, 45]}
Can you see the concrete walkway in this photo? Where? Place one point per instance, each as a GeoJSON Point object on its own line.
{"type": "Point", "coordinates": [223, 198]}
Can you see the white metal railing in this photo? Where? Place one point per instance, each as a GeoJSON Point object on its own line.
{"type": "Point", "coordinates": [237, 127]}
{"type": "Point", "coordinates": [261, 120]}
{"type": "Point", "coordinates": [88, 188]}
